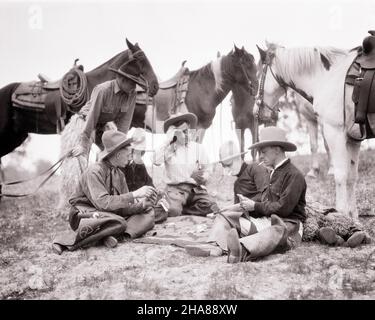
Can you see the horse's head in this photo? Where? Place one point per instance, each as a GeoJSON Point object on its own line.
{"type": "Point", "coordinates": [271, 86]}
{"type": "Point", "coordinates": [244, 69]}
{"type": "Point", "coordinates": [149, 79]}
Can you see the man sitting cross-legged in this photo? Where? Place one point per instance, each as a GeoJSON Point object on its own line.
{"type": "Point", "coordinates": [274, 220]}
{"type": "Point", "coordinates": [102, 208]}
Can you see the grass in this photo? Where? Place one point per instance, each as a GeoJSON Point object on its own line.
{"type": "Point", "coordinates": [146, 271]}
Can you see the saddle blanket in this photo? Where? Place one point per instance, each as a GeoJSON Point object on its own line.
{"type": "Point", "coordinates": [31, 95]}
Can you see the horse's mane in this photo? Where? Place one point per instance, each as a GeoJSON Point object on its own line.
{"type": "Point", "coordinates": [292, 61]}
{"type": "Point", "coordinates": [111, 61]}
{"type": "Point", "coordinates": [213, 68]}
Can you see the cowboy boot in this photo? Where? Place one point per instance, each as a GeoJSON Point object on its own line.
{"type": "Point", "coordinates": [235, 249]}
{"type": "Point", "coordinates": [219, 232]}
{"type": "Point", "coordinates": [356, 239]}
{"type": "Point", "coordinates": [257, 245]}
{"type": "Point", "coordinates": [328, 236]}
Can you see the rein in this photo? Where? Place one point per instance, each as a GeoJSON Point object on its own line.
{"type": "Point", "coordinates": [54, 168]}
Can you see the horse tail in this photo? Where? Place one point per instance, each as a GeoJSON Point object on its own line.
{"type": "Point", "coordinates": [72, 167]}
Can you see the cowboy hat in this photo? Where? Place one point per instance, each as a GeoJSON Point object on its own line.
{"type": "Point", "coordinates": [113, 140]}
{"type": "Point", "coordinates": [130, 71]}
{"type": "Point", "coordinates": [230, 157]}
{"type": "Point", "coordinates": [188, 117]}
{"type": "Point", "coordinates": [139, 139]}
{"type": "Point", "coordinates": [273, 136]}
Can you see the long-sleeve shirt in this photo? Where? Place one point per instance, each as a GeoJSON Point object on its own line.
{"type": "Point", "coordinates": [137, 176]}
{"type": "Point", "coordinates": [107, 103]}
{"type": "Point", "coordinates": [252, 179]}
{"type": "Point", "coordinates": [180, 161]}
{"type": "Point", "coordinates": [285, 194]}
{"type": "Point", "coordinates": [104, 187]}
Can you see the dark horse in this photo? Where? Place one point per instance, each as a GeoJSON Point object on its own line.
{"type": "Point", "coordinates": [16, 123]}
{"type": "Point", "coordinates": [243, 102]}
{"type": "Point", "coordinates": [207, 88]}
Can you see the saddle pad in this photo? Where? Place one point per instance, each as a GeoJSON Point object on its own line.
{"type": "Point", "coordinates": [30, 95]}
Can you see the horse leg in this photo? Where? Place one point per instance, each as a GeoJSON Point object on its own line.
{"type": "Point", "coordinates": [200, 135]}
{"type": "Point", "coordinates": [353, 151]}
{"type": "Point", "coordinates": [9, 142]}
{"type": "Point", "coordinates": [254, 137]}
{"type": "Point", "coordinates": [312, 127]}
{"type": "Point", "coordinates": [336, 139]}
{"type": "Point", "coordinates": [240, 133]}
{"type": "Point", "coordinates": [1, 178]}
{"type": "Point", "coordinates": [330, 170]}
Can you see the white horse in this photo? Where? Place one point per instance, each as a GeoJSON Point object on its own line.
{"type": "Point", "coordinates": [306, 114]}
{"type": "Point", "coordinates": [318, 74]}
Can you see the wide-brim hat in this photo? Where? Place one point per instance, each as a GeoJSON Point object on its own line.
{"type": "Point", "coordinates": [230, 157]}
{"type": "Point", "coordinates": [188, 117]}
{"type": "Point", "coordinates": [139, 139]}
{"type": "Point", "coordinates": [130, 71]}
{"type": "Point", "coordinates": [273, 136]}
{"type": "Point", "coordinates": [113, 140]}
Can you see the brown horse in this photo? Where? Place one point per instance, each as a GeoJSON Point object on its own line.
{"type": "Point", "coordinates": [16, 123]}
{"type": "Point", "coordinates": [242, 103]}
{"type": "Point", "coordinates": [207, 88]}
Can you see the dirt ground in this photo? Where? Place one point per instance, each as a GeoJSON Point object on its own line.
{"type": "Point", "coordinates": [30, 270]}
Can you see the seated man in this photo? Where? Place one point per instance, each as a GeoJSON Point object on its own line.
{"type": "Point", "coordinates": [102, 207]}
{"type": "Point", "coordinates": [272, 222]}
{"type": "Point", "coordinates": [186, 168]}
{"type": "Point", "coordinates": [135, 171]}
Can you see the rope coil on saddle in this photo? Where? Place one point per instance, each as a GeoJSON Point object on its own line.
{"type": "Point", "coordinates": [73, 88]}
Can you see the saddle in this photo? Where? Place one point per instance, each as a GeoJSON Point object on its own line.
{"type": "Point", "coordinates": [176, 86]}
{"type": "Point", "coordinates": [172, 82]}
{"type": "Point", "coordinates": [53, 97]}
{"type": "Point", "coordinates": [362, 76]}
{"type": "Point", "coordinates": [44, 97]}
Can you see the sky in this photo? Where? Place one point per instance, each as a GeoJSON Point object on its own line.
{"type": "Point", "coordinates": [46, 36]}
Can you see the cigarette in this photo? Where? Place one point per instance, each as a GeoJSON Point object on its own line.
{"type": "Point", "coordinates": [164, 207]}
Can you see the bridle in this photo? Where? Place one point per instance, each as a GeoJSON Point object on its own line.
{"type": "Point", "coordinates": [136, 56]}
{"type": "Point", "coordinates": [250, 85]}
{"type": "Point", "coordinates": [260, 96]}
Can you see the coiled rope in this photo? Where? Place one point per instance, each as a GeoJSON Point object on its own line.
{"type": "Point", "coordinates": [73, 88]}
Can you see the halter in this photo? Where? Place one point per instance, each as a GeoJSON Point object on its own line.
{"type": "Point", "coordinates": [260, 97]}
{"type": "Point", "coordinates": [249, 82]}
{"type": "Point", "coordinates": [141, 80]}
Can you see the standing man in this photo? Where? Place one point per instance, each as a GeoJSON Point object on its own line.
{"type": "Point", "coordinates": [112, 100]}
{"type": "Point", "coordinates": [102, 207]}
{"type": "Point", "coordinates": [186, 168]}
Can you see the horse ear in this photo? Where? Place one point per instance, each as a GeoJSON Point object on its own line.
{"type": "Point", "coordinates": [263, 54]}
{"type": "Point", "coordinates": [218, 55]}
{"type": "Point", "coordinates": [130, 45]}
{"type": "Point", "coordinates": [236, 50]}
